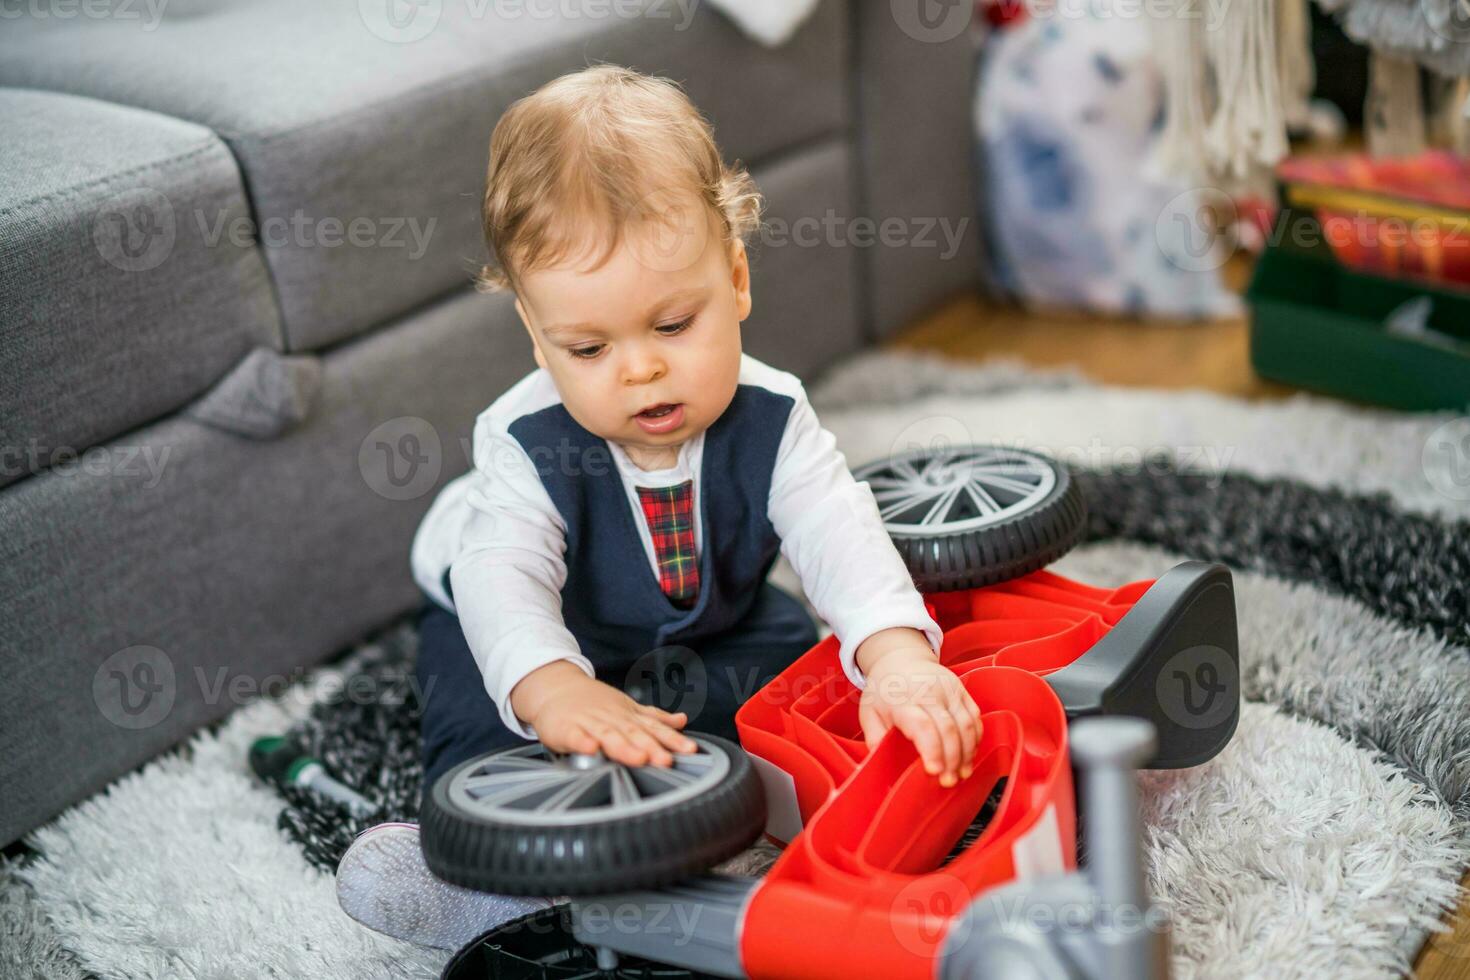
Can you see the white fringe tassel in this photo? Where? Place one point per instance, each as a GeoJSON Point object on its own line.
{"type": "Point", "coordinates": [1294, 61]}
{"type": "Point", "coordinates": [1394, 113]}
{"type": "Point", "coordinates": [1248, 126]}
{"type": "Point", "coordinates": [1226, 101]}
{"type": "Point", "coordinates": [1188, 97]}
{"type": "Point", "coordinates": [1449, 124]}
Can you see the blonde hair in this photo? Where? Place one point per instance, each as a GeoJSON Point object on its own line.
{"type": "Point", "coordinates": [598, 144]}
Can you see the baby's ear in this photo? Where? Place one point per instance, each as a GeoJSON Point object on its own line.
{"type": "Point", "coordinates": [740, 278]}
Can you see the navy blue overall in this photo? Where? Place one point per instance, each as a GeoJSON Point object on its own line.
{"type": "Point", "coordinates": [706, 660]}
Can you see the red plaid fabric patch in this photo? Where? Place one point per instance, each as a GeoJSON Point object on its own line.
{"type": "Point", "coordinates": [670, 513]}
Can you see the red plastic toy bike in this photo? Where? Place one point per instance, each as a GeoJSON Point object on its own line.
{"type": "Point", "coordinates": [884, 873]}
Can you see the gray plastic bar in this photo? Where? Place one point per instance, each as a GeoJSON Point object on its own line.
{"type": "Point", "coordinates": [691, 924]}
{"type": "Point", "coordinates": [1109, 752]}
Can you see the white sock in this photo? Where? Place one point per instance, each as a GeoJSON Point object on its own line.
{"type": "Point", "coordinates": [383, 883]}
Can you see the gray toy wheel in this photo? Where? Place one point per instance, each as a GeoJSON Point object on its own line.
{"type": "Point", "coordinates": [528, 821]}
{"type": "Point", "coordinates": [976, 515]}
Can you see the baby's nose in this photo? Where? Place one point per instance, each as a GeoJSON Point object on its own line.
{"type": "Point", "coordinates": [643, 369]}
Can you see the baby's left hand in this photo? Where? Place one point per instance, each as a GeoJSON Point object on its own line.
{"type": "Point", "coordinates": [909, 689]}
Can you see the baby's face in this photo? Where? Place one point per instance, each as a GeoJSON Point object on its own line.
{"type": "Point", "coordinates": [645, 350]}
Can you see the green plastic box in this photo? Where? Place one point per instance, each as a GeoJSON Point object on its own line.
{"type": "Point", "coordinates": [1317, 324]}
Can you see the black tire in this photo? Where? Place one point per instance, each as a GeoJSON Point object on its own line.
{"type": "Point", "coordinates": [542, 946]}
{"type": "Point", "coordinates": [607, 851]}
{"type": "Point", "coordinates": [976, 549]}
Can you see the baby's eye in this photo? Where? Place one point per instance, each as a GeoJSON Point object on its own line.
{"type": "Point", "coordinates": [673, 329]}
{"type": "Point", "coordinates": [585, 353]}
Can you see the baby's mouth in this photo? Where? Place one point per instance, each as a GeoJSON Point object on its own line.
{"type": "Point", "coordinates": [661, 419]}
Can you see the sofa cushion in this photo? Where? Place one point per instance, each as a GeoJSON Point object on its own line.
{"type": "Point", "coordinates": [342, 117]}
{"type": "Point", "coordinates": [213, 559]}
{"type": "Point", "coordinates": [114, 308]}
{"type": "Point", "coordinates": [919, 166]}
{"type": "Point", "coordinates": [216, 566]}
{"type": "Point", "coordinates": [804, 267]}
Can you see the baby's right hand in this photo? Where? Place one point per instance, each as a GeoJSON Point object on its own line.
{"type": "Point", "coordinates": [572, 712]}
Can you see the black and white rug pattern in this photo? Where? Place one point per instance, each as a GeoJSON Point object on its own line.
{"type": "Point", "coordinates": [1327, 840]}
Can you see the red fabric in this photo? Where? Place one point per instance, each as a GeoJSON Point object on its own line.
{"type": "Point", "coordinates": [1003, 13]}
{"type": "Point", "coordinates": [1385, 241]}
{"type": "Point", "coordinates": [1435, 177]}
{"type": "Point", "coordinates": [670, 513]}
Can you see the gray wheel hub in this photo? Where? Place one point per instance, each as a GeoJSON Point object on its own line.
{"type": "Point", "coordinates": [925, 493]}
{"type": "Point", "coordinates": [532, 786]}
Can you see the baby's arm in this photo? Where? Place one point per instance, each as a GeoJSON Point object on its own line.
{"type": "Point", "coordinates": [507, 581]}
{"type": "Point", "coordinates": [833, 536]}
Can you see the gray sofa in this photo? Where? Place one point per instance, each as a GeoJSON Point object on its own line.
{"type": "Point", "coordinates": [238, 348]}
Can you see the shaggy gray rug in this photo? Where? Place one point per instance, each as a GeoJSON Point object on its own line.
{"type": "Point", "coordinates": [29, 947]}
{"type": "Point", "coordinates": [1325, 841]}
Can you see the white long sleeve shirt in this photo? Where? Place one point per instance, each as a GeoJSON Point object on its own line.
{"type": "Point", "coordinates": [501, 538]}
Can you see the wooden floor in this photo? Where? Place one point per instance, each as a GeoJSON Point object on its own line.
{"type": "Point", "coordinates": [1213, 356]}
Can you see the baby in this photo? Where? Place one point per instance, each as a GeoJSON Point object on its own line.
{"type": "Point", "coordinates": [629, 497]}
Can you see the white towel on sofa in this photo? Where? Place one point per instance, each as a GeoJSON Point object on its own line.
{"type": "Point", "coordinates": [771, 22]}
